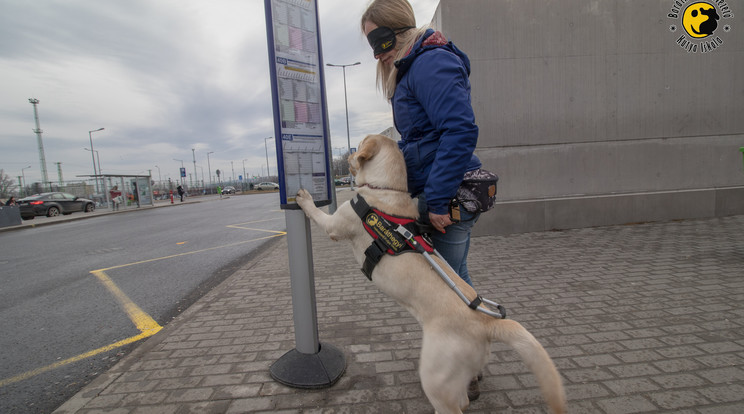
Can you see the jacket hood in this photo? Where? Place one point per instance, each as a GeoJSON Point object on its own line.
{"type": "Point", "coordinates": [422, 45]}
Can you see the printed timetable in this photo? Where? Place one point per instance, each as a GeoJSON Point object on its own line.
{"type": "Point", "coordinates": [298, 99]}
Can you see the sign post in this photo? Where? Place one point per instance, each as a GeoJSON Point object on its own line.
{"type": "Point", "coordinates": [303, 160]}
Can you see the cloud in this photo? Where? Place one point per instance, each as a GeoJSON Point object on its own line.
{"type": "Point", "coordinates": [163, 77]}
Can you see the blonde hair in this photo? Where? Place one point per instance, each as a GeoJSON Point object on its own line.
{"type": "Point", "coordinates": [393, 14]}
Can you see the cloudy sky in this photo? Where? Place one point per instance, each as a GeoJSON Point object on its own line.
{"type": "Point", "coordinates": [163, 77]}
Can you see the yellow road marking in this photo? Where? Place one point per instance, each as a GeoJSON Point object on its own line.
{"type": "Point", "coordinates": [144, 323]}
{"type": "Point", "coordinates": [181, 243]}
{"type": "Point", "coordinates": [140, 318]}
{"type": "Point", "coordinates": [58, 364]}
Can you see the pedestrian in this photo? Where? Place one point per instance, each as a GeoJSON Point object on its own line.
{"type": "Point", "coordinates": [425, 78]}
{"type": "Point", "coordinates": [135, 192]}
{"type": "Point", "coordinates": [115, 195]}
{"type": "Point", "coordinates": [11, 201]}
{"type": "Point", "coordinates": [180, 192]}
{"type": "Point", "coordinates": [219, 190]}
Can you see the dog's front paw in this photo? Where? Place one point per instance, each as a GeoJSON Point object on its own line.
{"type": "Point", "coordinates": [304, 199]}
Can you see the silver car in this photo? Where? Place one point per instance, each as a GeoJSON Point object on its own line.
{"type": "Point", "coordinates": [267, 186]}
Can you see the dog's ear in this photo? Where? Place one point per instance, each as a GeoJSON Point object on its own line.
{"type": "Point", "coordinates": [368, 148]}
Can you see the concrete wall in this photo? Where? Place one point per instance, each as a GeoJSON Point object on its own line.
{"type": "Point", "coordinates": [592, 114]}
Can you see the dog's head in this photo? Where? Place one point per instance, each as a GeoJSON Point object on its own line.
{"type": "Point", "coordinates": [379, 163]}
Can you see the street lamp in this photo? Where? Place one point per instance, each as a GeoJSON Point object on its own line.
{"type": "Point", "coordinates": [95, 173]}
{"type": "Point", "coordinates": [23, 183]}
{"type": "Point", "coordinates": [245, 178]}
{"type": "Point", "coordinates": [160, 180]}
{"type": "Point", "coordinates": [267, 158]}
{"type": "Point", "coordinates": [209, 171]}
{"type": "Point", "coordinates": [98, 160]}
{"type": "Point", "coordinates": [348, 139]}
{"type": "Point", "coordinates": [196, 176]}
{"type": "Point", "coordinates": [179, 173]}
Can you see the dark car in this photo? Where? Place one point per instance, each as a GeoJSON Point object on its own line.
{"type": "Point", "coordinates": [53, 204]}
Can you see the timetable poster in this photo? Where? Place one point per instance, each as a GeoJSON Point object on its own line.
{"type": "Point", "coordinates": [299, 103]}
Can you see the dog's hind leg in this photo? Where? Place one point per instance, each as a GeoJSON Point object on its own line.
{"type": "Point", "coordinates": [444, 377]}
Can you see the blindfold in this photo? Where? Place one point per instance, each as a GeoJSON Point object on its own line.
{"type": "Point", "coordinates": [383, 38]}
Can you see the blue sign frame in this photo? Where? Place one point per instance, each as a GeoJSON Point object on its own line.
{"type": "Point", "coordinates": [301, 132]}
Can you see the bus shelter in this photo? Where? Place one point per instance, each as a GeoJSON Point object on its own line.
{"type": "Point", "coordinates": [123, 191]}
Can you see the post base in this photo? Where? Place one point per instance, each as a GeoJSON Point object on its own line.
{"type": "Point", "coordinates": [310, 371]}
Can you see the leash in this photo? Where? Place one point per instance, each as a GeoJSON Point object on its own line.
{"type": "Point", "coordinates": [383, 232]}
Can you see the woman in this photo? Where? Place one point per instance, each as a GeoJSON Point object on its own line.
{"type": "Point", "coordinates": [425, 77]}
{"type": "Point", "coordinates": [11, 201]}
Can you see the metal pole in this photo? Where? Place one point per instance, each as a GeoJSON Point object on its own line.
{"type": "Point", "coordinates": [160, 179]}
{"type": "Point", "coordinates": [104, 189]}
{"type": "Point", "coordinates": [59, 174]}
{"type": "Point", "coordinates": [38, 131]}
{"type": "Point", "coordinates": [100, 171]}
{"type": "Point", "coordinates": [24, 179]}
{"type": "Point", "coordinates": [346, 103]}
{"type": "Point", "coordinates": [245, 178]}
{"type": "Point", "coordinates": [209, 170]}
{"type": "Point", "coordinates": [196, 176]}
{"type": "Point", "coordinates": [149, 180]}
{"type": "Point", "coordinates": [302, 278]}
{"type": "Point", "coordinates": [268, 173]}
{"type": "Point", "coordinates": [348, 135]}
{"type": "Point", "coordinates": [93, 156]}
{"type": "Point", "coordinates": [179, 173]}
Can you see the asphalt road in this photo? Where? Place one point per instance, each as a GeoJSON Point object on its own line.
{"type": "Point", "coordinates": [76, 296]}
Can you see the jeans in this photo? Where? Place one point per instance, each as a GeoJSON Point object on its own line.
{"type": "Point", "coordinates": [455, 243]}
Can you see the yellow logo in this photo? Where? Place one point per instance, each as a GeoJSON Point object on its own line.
{"type": "Point", "coordinates": [700, 20]}
{"type": "Point", "coordinates": [701, 24]}
{"type": "Point", "coordinates": [372, 220]}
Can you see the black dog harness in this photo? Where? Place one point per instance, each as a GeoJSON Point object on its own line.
{"type": "Point", "coordinates": [387, 239]}
{"type": "Point", "coordinates": [395, 235]}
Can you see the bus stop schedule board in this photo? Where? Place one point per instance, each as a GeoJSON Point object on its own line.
{"type": "Point", "coordinates": [298, 100]}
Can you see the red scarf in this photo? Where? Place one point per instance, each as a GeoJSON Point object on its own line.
{"type": "Point", "coordinates": [436, 39]}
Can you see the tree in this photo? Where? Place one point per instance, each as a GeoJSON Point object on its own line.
{"type": "Point", "coordinates": [7, 185]}
{"type": "Point", "coordinates": [341, 165]}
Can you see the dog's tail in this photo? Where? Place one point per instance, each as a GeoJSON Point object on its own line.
{"type": "Point", "coordinates": [537, 360]}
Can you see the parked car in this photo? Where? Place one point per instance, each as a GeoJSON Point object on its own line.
{"type": "Point", "coordinates": [267, 186]}
{"type": "Point", "coordinates": [53, 204]}
{"type": "Point", "coordinates": [228, 190]}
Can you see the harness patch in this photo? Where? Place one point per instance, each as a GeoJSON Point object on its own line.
{"type": "Point", "coordinates": [379, 227]}
{"type": "Point", "coordinates": [384, 229]}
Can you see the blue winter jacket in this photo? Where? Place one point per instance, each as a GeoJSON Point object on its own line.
{"type": "Point", "coordinates": [432, 112]}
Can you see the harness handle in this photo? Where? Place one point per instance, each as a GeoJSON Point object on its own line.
{"type": "Point", "coordinates": [475, 303]}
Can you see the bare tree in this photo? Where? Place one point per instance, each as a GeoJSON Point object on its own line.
{"type": "Point", "coordinates": [7, 185]}
{"type": "Point", "coordinates": [341, 165]}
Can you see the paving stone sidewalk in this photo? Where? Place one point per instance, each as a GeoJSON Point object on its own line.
{"type": "Point", "coordinates": [639, 319]}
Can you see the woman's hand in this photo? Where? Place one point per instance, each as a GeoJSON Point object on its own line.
{"type": "Point", "coordinates": [439, 221]}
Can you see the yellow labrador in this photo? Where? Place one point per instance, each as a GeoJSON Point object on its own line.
{"type": "Point", "coordinates": [456, 339]}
